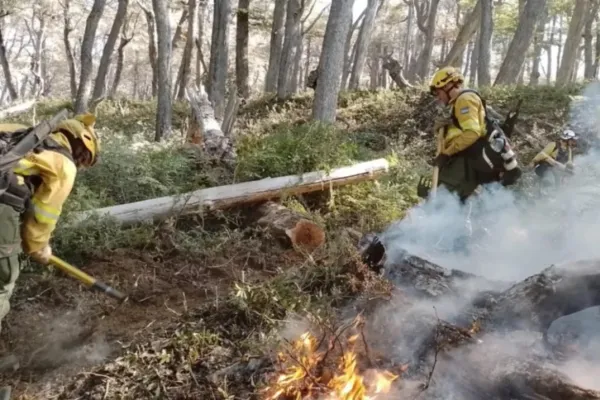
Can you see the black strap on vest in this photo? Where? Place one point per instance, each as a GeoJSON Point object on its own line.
{"type": "Point", "coordinates": [453, 116]}
{"type": "Point", "coordinates": [16, 190]}
{"type": "Point", "coordinates": [562, 156]}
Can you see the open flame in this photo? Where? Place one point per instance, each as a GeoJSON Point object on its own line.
{"type": "Point", "coordinates": [307, 375]}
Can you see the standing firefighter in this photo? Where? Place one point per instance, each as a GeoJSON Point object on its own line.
{"type": "Point", "coordinates": [556, 158]}
{"type": "Point", "coordinates": [475, 150]}
{"type": "Point", "coordinates": [36, 189]}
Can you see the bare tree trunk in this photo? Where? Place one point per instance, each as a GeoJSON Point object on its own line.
{"type": "Point", "coordinates": [185, 69]}
{"type": "Point", "coordinates": [331, 61]}
{"type": "Point", "coordinates": [152, 52]}
{"type": "Point", "coordinates": [67, 29]}
{"type": "Point", "coordinates": [200, 64]}
{"type": "Point", "coordinates": [47, 77]}
{"type": "Point", "coordinates": [297, 64]}
{"type": "Point", "coordinates": [219, 65]}
{"type": "Point", "coordinates": [485, 41]}
{"type": "Point", "coordinates": [467, 30]}
{"type": "Point", "coordinates": [537, 48]}
{"type": "Point", "coordinates": [135, 88]}
{"type": "Point", "coordinates": [560, 46]}
{"type": "Point", "coordinates": [350, 51]}
{"type": "Point", "coordinates": [38, 37]}
{"type": "Point", "coordinates": [109, 47]}
{"type": "Point", "coordinates": [363, 40]}
{"type": "Point", "coordinates": [549, 50]}
{"type": "Point", "coordinates": [407, 39]}
{"type": "Point", "coordinates": [241, 49]}
{"type": "Point", "coordinates": [517, 50]}
{"type": "Point", "coordinates": [276, 47]}
{"type": "Point", "coordinates": [589, 39]}
{"type": "Point", "coordinates": [383, 82]}
{"type": "Point", "coordinates": [14, 95]}
{"type": "Point", "coordinates": [426, 18]}
{"type": "Point", "coordinates": [474, 61]}
{"type": "Point", "coordinates": [125, 40]}
{"type": "Point", "coordinates": [307, 61]}
{"type": "Point", "coordinates": [178, 34]}
{"type": "Point", "coordinates": [467, 64]}
{"type": "Point", "coordinates": [164, 104]}
{"type": "Point", "coordinates": [567, 64]}
{"type": "Point", "coordinates": [87, 61]}
{"type": "Point", "coordinates": [597, 52]}
{"type": "Point", "coordinates": [292, 30]}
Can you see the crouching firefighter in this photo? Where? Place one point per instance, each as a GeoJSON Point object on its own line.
{"type": "Point", "coordinates": [37, 172]}
{"type": "Point", "coordinates": [556, 159]}
{"type": "Point", "coordinates": [475, 150]}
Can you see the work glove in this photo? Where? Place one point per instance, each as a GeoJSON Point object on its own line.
{"type": "Point", "coordinates": [373, 255]}
{"type": "Point", "coordinates": [424, 187]}
{"type": "Point", "coordinates": [440, 160]}
{"type": "Point", "coordinates": [43, 255]}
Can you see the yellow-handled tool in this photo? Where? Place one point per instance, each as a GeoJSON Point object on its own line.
{"type": "Point", "coordinates": [439, 136]}
{"type": "Point", "coordinates": [86, 279]}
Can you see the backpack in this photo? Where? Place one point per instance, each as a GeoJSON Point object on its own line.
{"type": "Point", "coordinates": [494, 147]}
{"type": "Point", "coordinates": [16, 145]}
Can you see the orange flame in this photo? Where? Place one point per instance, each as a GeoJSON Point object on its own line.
{"type": "Point", "coordinates": [302, 379]}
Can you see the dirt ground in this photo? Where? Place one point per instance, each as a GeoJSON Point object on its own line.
{"type": "Point", "coordinates": [58, 328]}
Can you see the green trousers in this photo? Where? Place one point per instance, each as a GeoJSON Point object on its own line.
{"type": "Point", "coordinates": [10, 248]}
{"type": "Point", "coordinates": [458, 176]}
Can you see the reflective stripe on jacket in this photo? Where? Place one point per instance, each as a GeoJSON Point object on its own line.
{"type": "Point", "coordinates": [56, 174]}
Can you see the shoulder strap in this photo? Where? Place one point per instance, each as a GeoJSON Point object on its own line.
{"type": "Point", "coordinates": [453, 116]}
{"type": "Point", "coordinates": [52, 145]}
{"type": "Point", "coordinates": [29, 141]}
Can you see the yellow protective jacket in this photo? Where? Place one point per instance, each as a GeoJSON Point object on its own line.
{"type": "Point", "coordinates": [469, 112]}
{"type": "Point", "coordinates": [553, 151]}
{"type": "Point", "coordinates": [56, 175]}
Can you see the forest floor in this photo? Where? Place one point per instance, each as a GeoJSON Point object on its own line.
{"type": "Point", "coordinates": [204, 300]}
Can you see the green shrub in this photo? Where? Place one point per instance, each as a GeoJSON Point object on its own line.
{"type": "Point", "coordinates": [97, 237]}
{"type": "Point", "coordinates": [371, 206]}
{"type": "Point", "coordinates": [131, 170]}
{"type": "Point", "coordinates": [294, 150]}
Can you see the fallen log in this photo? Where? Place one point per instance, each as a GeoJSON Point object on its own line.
{"type": "Point", "coordinates": [290, 227]}
{"type": "Point", "coordinates": [541, 299]}
{"type": "Point", "coordinates": [17, 108]}
{"type": "Point", "coordinates": [227, 196]}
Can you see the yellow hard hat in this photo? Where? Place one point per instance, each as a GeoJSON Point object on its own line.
{"type": "Point", "coordinates": [444, 76]}
{"type": "Point", "coordinates": [82, 127]}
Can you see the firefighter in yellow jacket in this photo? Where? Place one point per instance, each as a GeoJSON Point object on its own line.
{"type": "Point", "coordinates": [31, 207]}
{"type": "Point", "coordinates": [556, 157]}
{"type": "Point", "coordinates": [474, 151]}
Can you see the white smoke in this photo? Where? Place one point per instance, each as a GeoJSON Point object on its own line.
{"type": "Point", "coordinates": [508, 234]}
{"type": "Point", "coordinates": [513, 235]}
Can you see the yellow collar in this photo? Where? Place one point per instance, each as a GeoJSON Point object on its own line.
{"type": "Point", "coordinates": [61, 139]}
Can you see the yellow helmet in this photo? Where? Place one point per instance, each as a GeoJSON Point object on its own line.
{"type": "Point", "coordinates": [82, 127]}
{"type": "Point", "coordinates": [444, 76]}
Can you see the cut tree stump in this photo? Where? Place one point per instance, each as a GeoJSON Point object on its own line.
{"type": "Point", "coordinates": [290, 227]}
{"type": "Point", "coordinates": [222, 197]}
{"type": "Point", "coordinates": [395, 70]}
{"type": "Point", "coordinates": [215, 143]}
